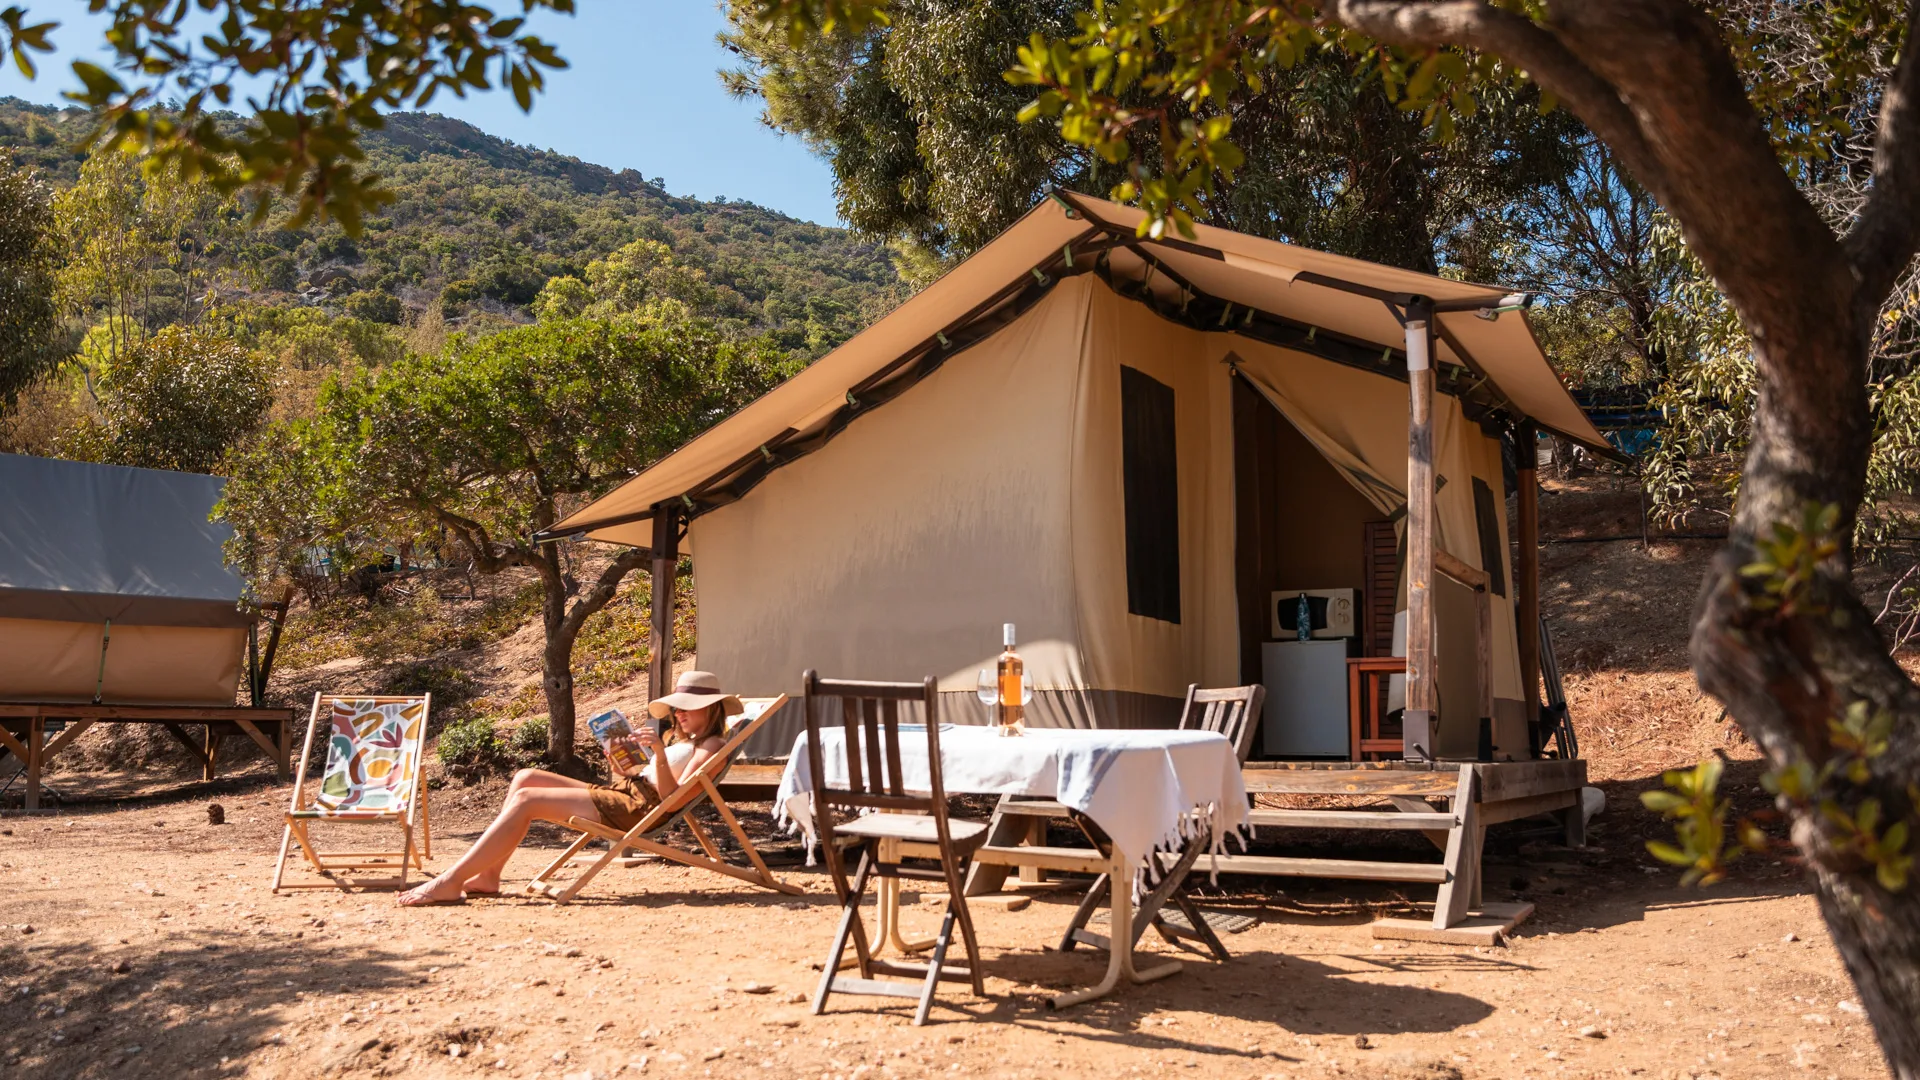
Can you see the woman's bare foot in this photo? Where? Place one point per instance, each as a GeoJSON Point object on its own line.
{"type": "Point", "coordinates": [482, 885]}
{"type": "Point", "coordinates": [440, 890]}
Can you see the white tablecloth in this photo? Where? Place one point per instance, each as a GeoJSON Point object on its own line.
{"type": "Point", "coordinates": [1145, 788]}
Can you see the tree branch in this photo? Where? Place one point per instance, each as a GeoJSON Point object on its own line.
{"type": "Point", "coordinates": [1473, 24]}
{"type": "Point", "coordinates": [603, 589]}
{"type": "Point", "coordinates": [1882, 241]}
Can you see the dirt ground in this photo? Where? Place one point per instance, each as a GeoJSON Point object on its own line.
{"type": "Point", "coordinates": [138, 940]}
{"type": "Point", "coordinates": [142, 941]}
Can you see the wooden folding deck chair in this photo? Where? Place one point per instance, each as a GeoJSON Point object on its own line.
{"type": "Point", "coordinates": [1234, 712]}
{"type": "Point", "coordinates": [647, 835]}
{"type": "Point", "coordinates": [372, 777]}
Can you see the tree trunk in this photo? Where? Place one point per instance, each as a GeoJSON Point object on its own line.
{"type": "Point", "coordinates": [1785, 679]}
{"type": "Point", "coordinates": [556, 660]}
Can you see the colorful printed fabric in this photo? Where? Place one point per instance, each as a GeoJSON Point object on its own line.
{"type": "Point", "coordinates": [373, 755]}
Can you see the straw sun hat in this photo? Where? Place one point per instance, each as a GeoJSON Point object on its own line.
{"type": "Point", "coordinates": [695, 690]}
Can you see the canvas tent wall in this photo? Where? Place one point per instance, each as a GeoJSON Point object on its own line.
{"type": "Point", "coordinates": [959, 464]}
{"type": "Point", "coordinates": [113, 586]}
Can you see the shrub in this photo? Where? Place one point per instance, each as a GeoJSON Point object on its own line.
{"type": "Point", "coordinates": [473, 746]}
{"type": "Point", "coordinates": [375, 307]}
{"type": "Point", "coordinates": [529, 740]}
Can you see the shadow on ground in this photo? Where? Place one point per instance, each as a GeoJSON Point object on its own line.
{"type": "Point", "coordinates": [181, 1004]}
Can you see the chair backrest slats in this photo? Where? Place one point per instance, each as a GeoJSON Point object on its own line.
{"type": "Point", "coordinates": [1232, 711]}
{"type": "Point", "coordinates": [874, 776]}
{"type": "Point", "coordinates": [870, 727]}
{"type": "Point", "coordinates": [890, 715]}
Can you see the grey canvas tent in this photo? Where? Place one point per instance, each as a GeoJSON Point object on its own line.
{"type": "Point", "coordinates": [113, 586]}
{"type": "Point", "coordinates": [116, 604]}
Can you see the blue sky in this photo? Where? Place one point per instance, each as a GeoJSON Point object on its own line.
{"type": "Point", "coordinates": [641, 93]}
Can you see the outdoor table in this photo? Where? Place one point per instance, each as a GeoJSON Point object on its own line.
{"type": "Point", "coordinates": [1148, 790]}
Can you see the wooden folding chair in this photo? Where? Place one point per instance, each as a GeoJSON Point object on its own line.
{"type": "Point", "coordinates": [918, 828]}
{"type": "Point", "coordinates": [1233, 712]}
{"type": "Point", "coordinates": [372, 776]}
{"type": "Point", "coordinates": [647, 834]}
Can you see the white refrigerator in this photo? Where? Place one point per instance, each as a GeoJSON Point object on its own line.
{"type": "Point", "coordinates": [1306, 711]}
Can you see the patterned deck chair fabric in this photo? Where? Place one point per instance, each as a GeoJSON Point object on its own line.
{"type": "Point", "coordinates": [648, 834]}
{"type": "Point", "coordinates": [372, 775]}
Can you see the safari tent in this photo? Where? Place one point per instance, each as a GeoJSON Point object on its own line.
{"type": "Point", "coordinates": [1136, 449]}
{"type": "Point", "coordinates": [116, 603]}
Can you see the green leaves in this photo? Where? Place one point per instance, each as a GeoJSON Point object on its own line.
{"type": "Point", "coordinates": [1789, 557]}
{"type": "Point", "coordinates": [494, 438]}
{"type": "Point", "coordinates": [30, 338]}
{"type": "Point", "coordinates": [20, 39]}
{"type": "Point", "coordinates": [1178, 68]}
{"type": "Point", "coordinates": [1693, 801]}
{"type": "Point", "coordinates": [801, 19]}
{"type": "Point", "coordinates": [330, 67]}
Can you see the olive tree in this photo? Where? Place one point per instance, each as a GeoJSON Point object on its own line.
{"type": "Point", "coordinates": [1780, 633]}
{"type": "Point", "coordinates": [486, 444]}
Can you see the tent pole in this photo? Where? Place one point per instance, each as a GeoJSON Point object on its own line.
{"type": "Point", "coordinates": [273, 639]}
{"type": "Point", "coordinates": [100, 680]}
{"type": "Point", "coordinates": [1418, 718]}
{"type": "Point", "coordinates": [253, 663]}
{"type": "Point", "coordinates": [1527, 451]}
{"type": "Point", "coordinates": [666, 558]}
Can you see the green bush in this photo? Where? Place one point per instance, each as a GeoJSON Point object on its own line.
{"type": "Point", "coordinates": [530, 738]}
{"type": "Point", "coordinates": [473, 746]}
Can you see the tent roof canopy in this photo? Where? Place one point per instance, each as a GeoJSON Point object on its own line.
{"type": "Point", "coordinates": [81, 542]}
{"type": "Point", "coordinates": [1331, 307]}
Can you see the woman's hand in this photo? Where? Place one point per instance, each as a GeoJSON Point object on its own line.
{"type": "Point", "coordinates": [648, 740]}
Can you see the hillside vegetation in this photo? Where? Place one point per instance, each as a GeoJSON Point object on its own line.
{"type": "Point", "coordinates": [480, 224]}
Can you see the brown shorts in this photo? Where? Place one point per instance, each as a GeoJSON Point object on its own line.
{"type": "Point", "coordinates": [622, 804]}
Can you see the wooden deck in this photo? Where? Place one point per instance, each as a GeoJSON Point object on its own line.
{"type": "Point", "coordinates": [23, 732]}
{"type": "Point", "coordinates": [1450, 803]}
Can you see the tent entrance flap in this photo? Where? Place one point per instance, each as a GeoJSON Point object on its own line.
{"type": "Point", "coordinates": [1301, 522]}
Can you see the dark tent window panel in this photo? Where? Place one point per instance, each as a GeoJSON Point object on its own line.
{"type": "Point", "coordinates": [1151, 476]}
{"type": "Point", "coordinates": [1486, 517]}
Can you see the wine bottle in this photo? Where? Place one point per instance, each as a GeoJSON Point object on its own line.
{"type": "Point", "coordinates": [1012, 671]}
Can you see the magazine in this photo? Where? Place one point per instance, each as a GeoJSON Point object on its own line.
{"type": "Point", "coordinates": [612, 731]}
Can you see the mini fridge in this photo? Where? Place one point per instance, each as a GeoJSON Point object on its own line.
{"type": "Point", "coordinates": [1306, 711]}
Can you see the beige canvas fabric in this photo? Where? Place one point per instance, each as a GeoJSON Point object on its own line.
{"type": "Point", "coordinates": [1252, 271]}
{"type": "Point", "coordinates": [900, 547]}
{"type": "Point", "coordinates": [1124, 651]}
{"type": "Point", "coordinates": [49, 660]}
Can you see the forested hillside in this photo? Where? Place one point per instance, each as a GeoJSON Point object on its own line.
{"type": "Point", "coordinates": [480, 224]}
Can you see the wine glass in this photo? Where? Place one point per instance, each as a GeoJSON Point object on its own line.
{"type": "Point", "coordinates": [988, 689]}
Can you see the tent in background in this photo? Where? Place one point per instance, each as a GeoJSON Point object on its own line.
{"type": "Point", "coordinates": [116, 603]}
{"type": "Point", "coordinates": [1125, 446]}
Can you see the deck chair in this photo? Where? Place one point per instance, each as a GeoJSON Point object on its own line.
{"type": "Point", "coordinates": [372, 777]}
{"type": "Point", "coordinates": [917, 828]}
{"type": "Point", "coordinates": [1233, 712]}
{"type": "Point", "coordinates": [649, 833]}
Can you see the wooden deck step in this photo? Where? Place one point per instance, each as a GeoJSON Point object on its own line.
{"type": "Point", "coordinates": [1349, 819]}
{"type": "Point", "coordinates": [1346, 869]}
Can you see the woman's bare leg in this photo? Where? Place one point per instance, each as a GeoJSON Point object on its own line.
{"type": "Point", "coordinates": [533, 796]}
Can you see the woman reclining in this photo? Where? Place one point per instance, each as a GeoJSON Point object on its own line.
{"type": "Point", "coordinates": [699, 709]}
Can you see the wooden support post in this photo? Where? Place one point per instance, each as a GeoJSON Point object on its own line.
{"type": "Point", "coordinates": [253, 664]}
{"type": "Point", "coordinates": [212, 737]}
{"type": "Point", "coordinates": [1463, 854]}
{"type": "Point", "coordinates": [666, 559]}
{"type": "Point", "coordinates": [1418, 719]}
{"type": "Point", "coordinates": [36, 739]}
{"type": "Point", "coordinates": [265, 671]}
{"type": "Point", "coordinates": [1527, 441]}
